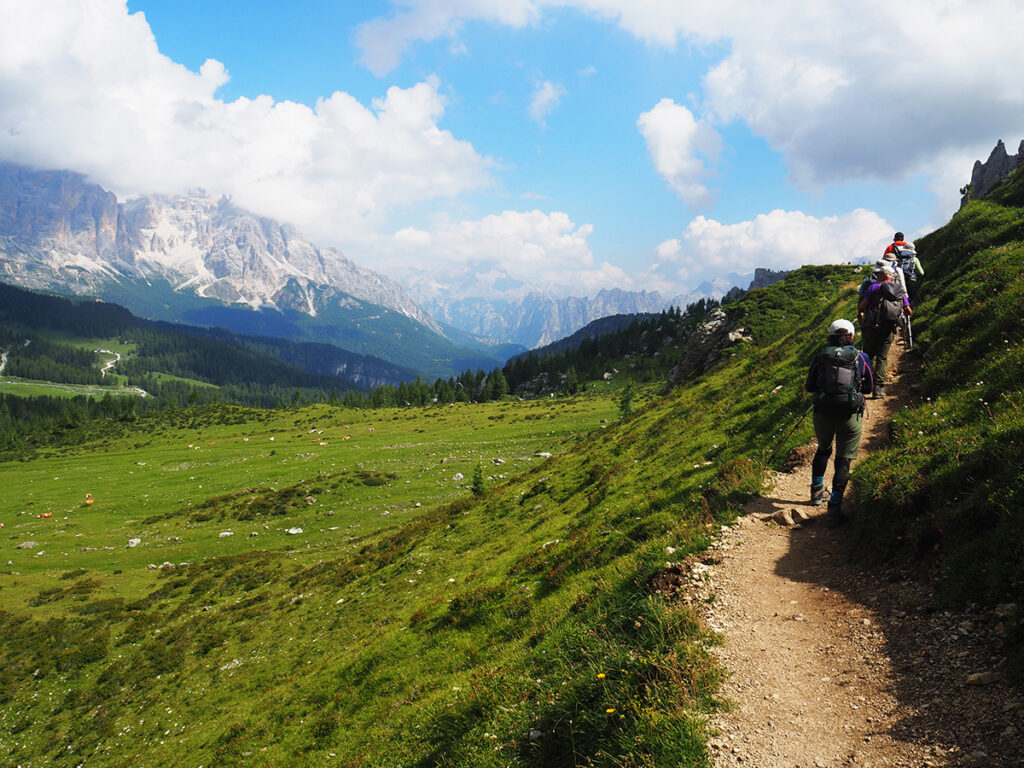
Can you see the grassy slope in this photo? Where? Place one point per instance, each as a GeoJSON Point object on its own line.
{"type": "Point", "coordinates": [951, 486]}
{"type": "Point", "coordinates": [447, 638]}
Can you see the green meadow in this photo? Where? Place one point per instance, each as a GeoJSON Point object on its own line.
{"type": "Point", "coordinates": [208, 468]}
{"type": "Point", "coordinates": [33, 388]}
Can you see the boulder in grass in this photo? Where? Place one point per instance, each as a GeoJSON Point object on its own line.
{"type": "Point", "coordinates": [27, 545]}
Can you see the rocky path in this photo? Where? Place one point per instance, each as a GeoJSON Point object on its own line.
{"type": "Point", "coordinates": [835, 664]}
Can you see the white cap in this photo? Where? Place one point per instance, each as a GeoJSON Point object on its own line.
{"type": "Point", "coordinates": [840, 325]}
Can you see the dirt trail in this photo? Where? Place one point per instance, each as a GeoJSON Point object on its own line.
{"type": "Point", "coordinates": [835, 664]}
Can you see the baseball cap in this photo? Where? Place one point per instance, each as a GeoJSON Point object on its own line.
{"type": "Point", "coordinates": [840, 325]}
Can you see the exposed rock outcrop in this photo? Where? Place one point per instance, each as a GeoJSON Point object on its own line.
{"type": "Point", "coordinates": [986, 176]}
{"type": "Point", "coordinates": [765, 277]}
{"type": "Point", "coordinates": [707, 345]}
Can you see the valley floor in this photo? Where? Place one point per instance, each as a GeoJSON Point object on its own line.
{"type": "Point", "coordinates": [833, 663]}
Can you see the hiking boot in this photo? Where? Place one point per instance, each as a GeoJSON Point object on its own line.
{"type": "Point", "coordinates": [879, 393]}
{"type": "Point", "coordinates": [835, 515]}
{"type": "Point", "coordinates": [819, 494]}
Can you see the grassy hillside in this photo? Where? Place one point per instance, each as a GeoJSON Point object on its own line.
{"type": "Point", "coordinates": [950, 489]}
{"type": "Point", "coordinates": [515, 626]}
{"type": "Point", "coordinates": [518, 627]}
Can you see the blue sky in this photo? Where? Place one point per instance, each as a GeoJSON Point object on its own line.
{"type": "Point", "coordinates": [463, 146]}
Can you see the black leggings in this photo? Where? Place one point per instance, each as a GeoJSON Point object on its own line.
{"type": "Point", "coordinates": [841, 466]}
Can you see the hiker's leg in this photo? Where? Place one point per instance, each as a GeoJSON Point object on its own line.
{"type": "Point", "coordinates": [870, 338]}
{"type": "Point", "coordinates": [824, 430]}
{"type": "Point", "coordinates": [847, 444]}
{"type": "Point", "coordinates": [881, 368]}
{"type": "Point", "coordinates": [839, 480]}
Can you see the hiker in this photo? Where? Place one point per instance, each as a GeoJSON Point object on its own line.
{"type": "Point", "coordinates": [871, 279]}
{"type": "Point", "coordinates": [905, 261]}
{"type": "Point", "coordinates": [840, 377]}
{"type": "Point", "coordinates": [879, 309]}
{"type": "Point", "coordinates": [897, 241]}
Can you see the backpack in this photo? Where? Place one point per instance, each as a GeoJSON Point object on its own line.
{"type": "Point", "coordinates": [887, 308]}
{"type": "Point", "coordinates": [839, 381]}
{"type": "Point", "coordinates": [905, 255]}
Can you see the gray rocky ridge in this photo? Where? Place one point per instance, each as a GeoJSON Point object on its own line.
{"type": "Point", "coordinates": [59, 232]}
{"type": "Point", "coordinates": [985, 176]}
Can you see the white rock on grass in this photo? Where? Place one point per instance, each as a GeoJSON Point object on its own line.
{"type": "Point", "coordinates": [27, 545]}
{"type": "Point", "coordinates": [225, 534]}
{"type": "Point", "coordinates": [132, 543]}
{"type": "Point", "coordinates": [293, 531]}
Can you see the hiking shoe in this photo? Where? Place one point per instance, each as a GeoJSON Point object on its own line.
{"type": "Point", "coordinates": [819, 495]}
{"type": "Point", "coordinates": [835, 516]}
{"type": "Point", "coordinates": [879, 393]}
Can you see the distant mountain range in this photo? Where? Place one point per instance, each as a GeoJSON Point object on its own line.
{"type": "Point", "coordinates": [193, 259]}
{"type": "Point", "coordinates": [535, 320]}
{"type": "Point", "coordinates": [196, 260]}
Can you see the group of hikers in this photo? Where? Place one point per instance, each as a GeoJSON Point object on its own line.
{"type": "Point", "coordinates": [841, 376]}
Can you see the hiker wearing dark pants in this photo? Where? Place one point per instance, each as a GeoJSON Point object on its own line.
{"type": "Point", "coordinates": [839, 377]}
{"type": "Point", "coordinates": [879, 309]}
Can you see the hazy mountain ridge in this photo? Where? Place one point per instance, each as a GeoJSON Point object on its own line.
{"type": "Point", "coordinates": [536, 319]}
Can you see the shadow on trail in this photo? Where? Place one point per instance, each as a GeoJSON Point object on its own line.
{"type": "Point", "coordinates": [932, 653]}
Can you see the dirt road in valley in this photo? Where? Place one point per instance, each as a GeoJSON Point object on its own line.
{"type": "Point", "coordinates": [837, 663]}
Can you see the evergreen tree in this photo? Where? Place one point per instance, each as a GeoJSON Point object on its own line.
{"type": "Point", "coordinates": [626, 400]}
{"type": "Point", "coordinates": [479, 486]}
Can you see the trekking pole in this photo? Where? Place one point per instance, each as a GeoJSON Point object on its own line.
{"type": "Point", "coordinates": [771, 459]}
{"type": "Point", "coordinates": [910, 334]}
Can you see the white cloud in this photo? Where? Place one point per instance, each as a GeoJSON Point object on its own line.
{"type": "Point", "coordinates": [384, 40]}
{"type": "Point", "coordinates": [545, 98]}
{"type": "Point", "coordinates": [778, 240]}
{"type": "Point", "coordinates": [872, 89]}
{"type": "Point", "coordinates": [84, 86]}
{"type": "Point", "coordinates": [676, 141]}
{"type": "Point", "coordinates": [479, 257]}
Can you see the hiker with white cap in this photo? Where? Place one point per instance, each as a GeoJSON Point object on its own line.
{"type": "Point", "coordinates": [839, 377]}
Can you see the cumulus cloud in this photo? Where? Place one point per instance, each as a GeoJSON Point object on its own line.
{"type": "Point", "coordinates": [84, 86]}
{"type": "Point", "coordinates": [776, 240]}
{"type": "Point", "coordinates": [873, 89]}
{"type": "Point", "coordinates": [522, 249]}
{"type": "Point", "coordinates": [676, 141]}
{"type": "Point", "coordinates": [545, 98]}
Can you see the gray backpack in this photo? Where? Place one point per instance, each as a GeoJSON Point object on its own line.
{"type": "Point", "coordinates": [885, 312]}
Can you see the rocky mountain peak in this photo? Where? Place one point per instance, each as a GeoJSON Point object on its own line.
{"type": "Point", "coordinates": [985, 176]}
{"type": "Point", "coordinates": [60, 232]}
